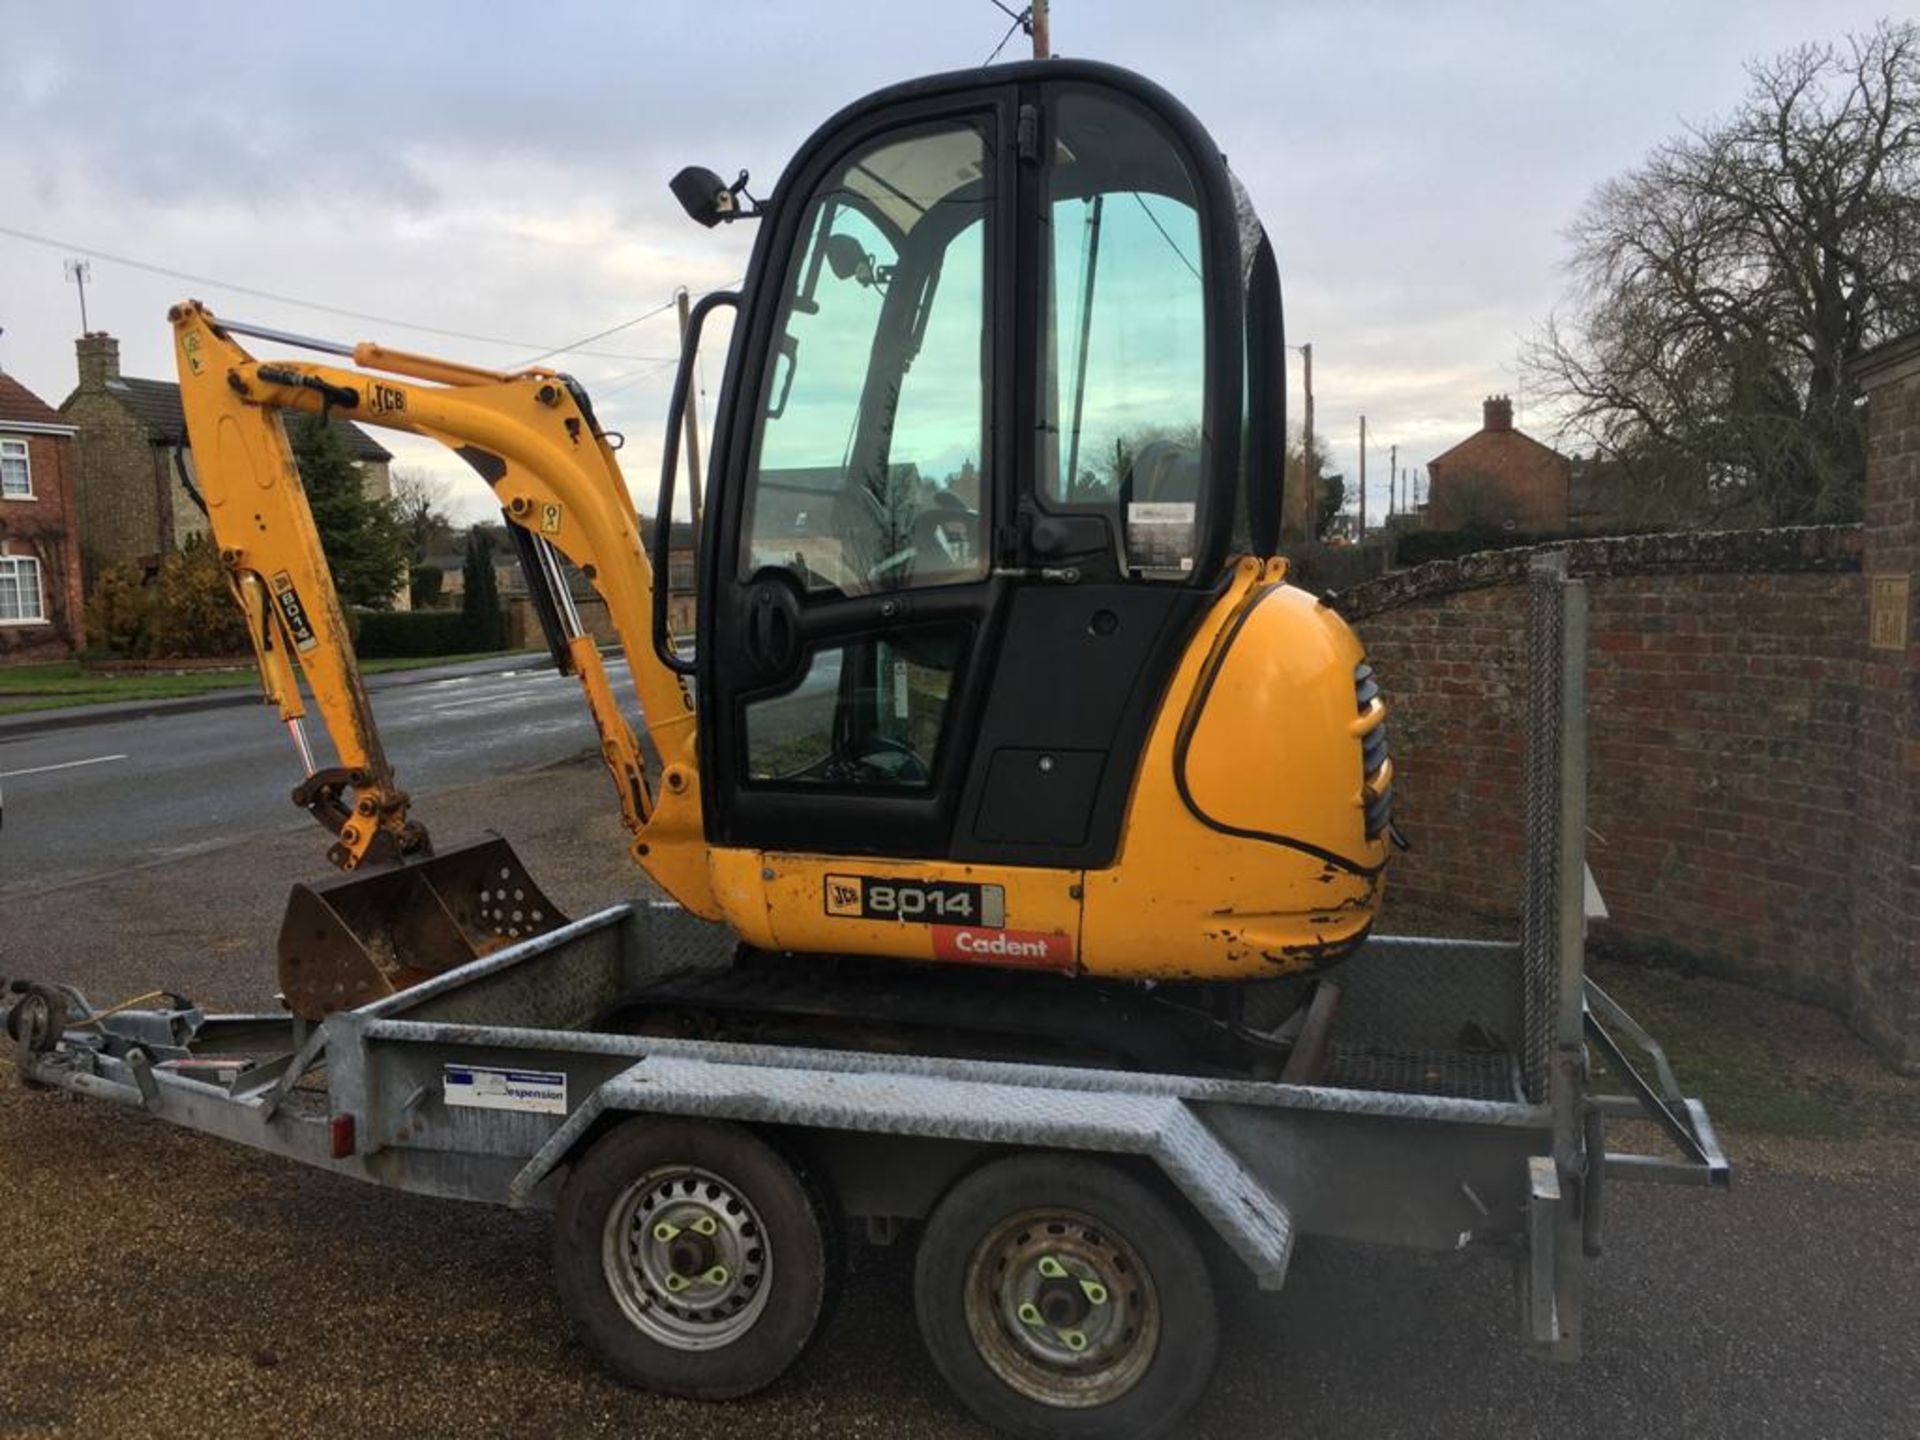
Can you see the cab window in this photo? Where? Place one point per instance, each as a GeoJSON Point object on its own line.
{"type": "Point", "coordinates": [1123, 378]}
{"type": "Point", "coordinates": [868, 463]}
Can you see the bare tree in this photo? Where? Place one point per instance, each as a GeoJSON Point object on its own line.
{"type": "Point", "coordinates": [1329, 491]}
{"type": "Point", "coordinates": [419, 500]}
{"type": "Point", "coordinates": [1723, 288]}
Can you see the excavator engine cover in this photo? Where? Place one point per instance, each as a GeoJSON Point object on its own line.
{"type": "Point", "coordinates": [351, 941]}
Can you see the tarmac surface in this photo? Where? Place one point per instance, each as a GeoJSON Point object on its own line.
{"type": "Point", "coordinates": [91, 792]}
{"type": "Point", "coordinates": [160, 1282]}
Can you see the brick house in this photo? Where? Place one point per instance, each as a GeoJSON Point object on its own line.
{"type": "Point", "coordinates": [1499, 479]}
{"type": "Point", "coordinates": [40, 615]}
{"type": "Point", "coordinates": [134, 467]}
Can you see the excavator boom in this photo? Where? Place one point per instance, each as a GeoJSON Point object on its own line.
{"type": "Point", "coordinates": [533, 438]}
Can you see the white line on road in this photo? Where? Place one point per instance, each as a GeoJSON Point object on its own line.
{"type": "Point", "coordinates": [63, 765]}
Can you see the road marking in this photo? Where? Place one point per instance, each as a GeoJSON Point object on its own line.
{"type": "Point", "coordinates": [63, 765]}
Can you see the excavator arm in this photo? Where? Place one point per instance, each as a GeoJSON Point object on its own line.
{"type": "Point", "coordinates": [533, 438]}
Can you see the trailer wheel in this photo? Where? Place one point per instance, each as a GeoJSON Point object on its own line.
{"type": "Point", "coordinates": [1061, 1298]}
{"type": "Point", "coordinates": [692, 1258]}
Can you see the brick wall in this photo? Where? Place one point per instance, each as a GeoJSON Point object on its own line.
{"type": "Point", "coordinates": [46, 528]}
{"type": "Point", "coordinates": [118, 480]}
{"type": "Point", "coordinates": [1726, 696]}
{"type": "Point", "coordinates": [1886, 939]}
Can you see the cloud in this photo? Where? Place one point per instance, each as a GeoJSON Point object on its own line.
{"type": "Point", "coordinates": [502, 171]}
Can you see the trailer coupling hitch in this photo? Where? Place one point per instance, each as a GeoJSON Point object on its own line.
{"type": "Point", "coordinates": [37, 1018]}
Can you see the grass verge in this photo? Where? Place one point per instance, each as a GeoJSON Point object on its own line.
{"type": "Point", "coordinates": [52, 686]}
{"type": "Point", "coordinates": [1763, 1064]}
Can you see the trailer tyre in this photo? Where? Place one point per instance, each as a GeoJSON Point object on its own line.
{"type": "Point", "coordinates": [1061, 1299]}
{"type": "Point", "coordinates": [693, 1258]}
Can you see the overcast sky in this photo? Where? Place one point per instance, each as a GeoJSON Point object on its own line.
{"type": "Point", "coordinates": [503, 172]}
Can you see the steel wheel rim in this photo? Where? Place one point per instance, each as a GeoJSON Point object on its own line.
{"type": "Point", "coordinates": [687, 1257]}
{"type": "Point", "coordinates": [1062, 1308]}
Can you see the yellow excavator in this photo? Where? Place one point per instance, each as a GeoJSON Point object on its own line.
{"type": "Point", "coordinates": [996, 668]}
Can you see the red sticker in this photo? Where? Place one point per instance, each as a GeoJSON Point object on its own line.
{"type": "Point", "coordinates": [1034, 949]}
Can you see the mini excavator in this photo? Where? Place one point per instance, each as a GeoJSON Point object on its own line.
{"type": "Point", "coordinates": [999, 701]}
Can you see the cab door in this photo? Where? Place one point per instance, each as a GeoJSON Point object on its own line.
{"type": "Point", "coordinates": [852, 606]}
{"type": "Point", "coordinates": [978, 471]}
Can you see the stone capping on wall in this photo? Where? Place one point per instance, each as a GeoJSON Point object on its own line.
{"type": "Point", "coordinates": [1785, 550]}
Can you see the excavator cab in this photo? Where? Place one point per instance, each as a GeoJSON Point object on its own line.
{"type": "Point", "coordinates": [1004, 396]}
{"type": "Point", "coordinates": [995, 664]}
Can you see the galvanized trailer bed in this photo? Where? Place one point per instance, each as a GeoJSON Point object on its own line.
{"type": "Point", "coordinates": [1453, 1108]}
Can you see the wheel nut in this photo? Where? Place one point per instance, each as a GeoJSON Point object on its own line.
{"type": "Point", "coordinates": [1074, 1340]}
{"type": "Point", "coordinates": [706, 1225]}
{"type": "Point", "coordinates": [718, 1275]}
{"type": "Point", "coordinates": [1095, 1292]}
{"type": "Point", "coordinates": [1052, 1268]}
{"type": "Point", "coordinates": [665, 1231]}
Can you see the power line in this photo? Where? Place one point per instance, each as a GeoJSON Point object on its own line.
{"type": "Point", "coordinates": [338, 310]}
{"type": "Point", "coordinates": [574, 349]}
{"type": "Point", "coordinates": [1171, 245]}
{"type": "Point", "coordinates": [1020, 21]}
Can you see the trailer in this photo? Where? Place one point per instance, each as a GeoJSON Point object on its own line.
{"type": "Point", "coordinates": [1439, 1095]}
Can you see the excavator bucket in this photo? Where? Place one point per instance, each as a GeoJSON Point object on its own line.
{"type": "Point", "coordinates": [351, 941]}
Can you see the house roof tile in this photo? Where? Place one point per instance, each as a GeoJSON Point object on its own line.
{"type": "Point", "coordinates": [21, 404]}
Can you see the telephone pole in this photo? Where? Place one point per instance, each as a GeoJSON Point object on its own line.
{"type": "Point", "coordinates": [1363, 478]}
{"type": "Point", "coordinates": [1393, 472]}
{"type": "Point", "coordinates": [1042, 32]}
{"type": "Point", "coordinates": [79, 272]}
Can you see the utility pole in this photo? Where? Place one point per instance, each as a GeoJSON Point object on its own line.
{"type": "Point", "coordinates": [1393, 471]}
{"type": "Point", "coordinates": [690, 423]}
{"type": "Point", "coordinates": [79, 271]}
{"type": "Point", "coordinates": [1363, 477]}
{"type": "Point", "coordinates": [1042, 31]}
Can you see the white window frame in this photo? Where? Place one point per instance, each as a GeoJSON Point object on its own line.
{"type": "Point", "coordinates": [18, 564]}
{"type": "Point", "coordinates": [7, 442]}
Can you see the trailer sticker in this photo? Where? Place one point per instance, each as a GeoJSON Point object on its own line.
{"type": "Point", "coordinates": [920, 902]}
{"type": "Point", "coordinates": [542, 1091]}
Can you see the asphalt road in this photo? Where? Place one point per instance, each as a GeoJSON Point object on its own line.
{"type": "Point", "coordinates": [87, 801]}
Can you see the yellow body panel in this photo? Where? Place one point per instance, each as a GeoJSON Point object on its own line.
{"type": "Point", "coordinates": [1261, 728]}
{"type": "Point", "coordinates": [1262, 867]}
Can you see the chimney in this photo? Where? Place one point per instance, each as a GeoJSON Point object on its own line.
{"type": "Point", "coordinates": [1498, 413]}
{"type": "Point", "coordinates": [99, 357]}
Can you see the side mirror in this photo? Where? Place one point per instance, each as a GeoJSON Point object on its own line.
{"type": "Point", "coordinates": [845, 257]}
{"type": "Point", "coordinates": [703, 195]}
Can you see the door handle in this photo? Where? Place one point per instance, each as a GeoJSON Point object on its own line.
{"type": "Point", "coordinates": [772, 635]}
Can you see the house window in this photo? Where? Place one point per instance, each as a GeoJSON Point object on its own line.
{"type": "Point", "coordinates": [20, 599]}
{"type": "Point", "coordinates": [16, 476]}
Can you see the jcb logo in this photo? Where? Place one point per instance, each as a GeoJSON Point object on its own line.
{"type": "Point", "coordinates": [843, 895]}
{"type": "Point", "coordinates": [386, 399]}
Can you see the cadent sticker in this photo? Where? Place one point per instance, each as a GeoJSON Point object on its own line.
{"type": "Point", "coordinates": [1026, 949]}
{"type": "Point", "coordinates": [550, 518]}
{"type": "Point", "coordinates": [543, 1092]}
